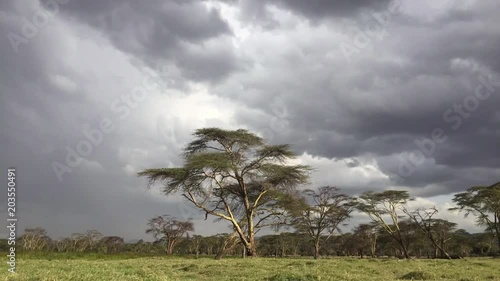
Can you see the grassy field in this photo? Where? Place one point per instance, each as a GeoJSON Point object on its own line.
{"type": "Point", "coordinates": [95, 267]}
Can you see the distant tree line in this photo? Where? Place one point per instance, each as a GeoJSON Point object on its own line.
{"type": "Point", "coordinates": [36, 239]}
{"type": "Point", "coordinates": [366, 240]}
{"type": "Point", "coordinates": [315, 217]}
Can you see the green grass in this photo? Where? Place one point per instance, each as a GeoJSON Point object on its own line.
{"type": "Point", "coordinates": [134, 267]}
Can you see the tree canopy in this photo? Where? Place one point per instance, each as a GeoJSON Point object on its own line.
{"type": "Point", "coordinates": [233, 175]}
{"type": "Point", "coordinates": [389, 203]}
{"type": "Point", "coordinates": [484, 203]}
{"type": "Point", "coordinates": [319, 213]}
{"type": "Point", "coordinates": [169, 230]}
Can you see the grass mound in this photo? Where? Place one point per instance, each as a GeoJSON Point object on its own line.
{"type": "Point", "coordinates": [191, 267]}
{"type": "Point", "coordinates": [416, 275]}
{"type": "Point", "coordinates": [292, 277]}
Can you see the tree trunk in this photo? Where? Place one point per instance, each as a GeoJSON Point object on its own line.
{"type": "Point", "coordinates": [442, 251]}
{"type": "Point", "coordinates": [497, 230]}
{"type": "Point", "coordinates": [402, 247]}
{"type": "Point", "coordinates": [404, 250]}
{"type": "Point", "coordinates": [316, 249]}
{"type": "Point", "coordinates": [374, 248]}
{"type": "Point", "coordinates": [250, 249]}
{"type": "Point", "coordinates": [168, 251]}
{"type": "Point", "coordinates": [170, 246]}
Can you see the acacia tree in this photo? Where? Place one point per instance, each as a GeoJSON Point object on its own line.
{"type": "Point", "coordinates": [484, 203]}
{"type": "Point", "coordinates": [368, 234]}
{"type": "Point", "coordinates": [229, 242]}
{"type": "Point", "coordinates": [170, 230]}
{"type": "Point", "coordinates": [111, 244]}
{"type": "Point", "coordinates": [235, 176]}
{"type": "Point", "coordinates": [87, 241]}
{"type": "Point", "coordinates": [196, 241]}
{"type": "Point", "coordinates": [34, 239]}
{"type": "Point", "coordinates": [380, 205]}
{"type": "Point", "coordinates": [64, 245]}
{"type": "Point", "coordinates": [436, 230]}
{"type": "Point", "coordinates": [319, 213]}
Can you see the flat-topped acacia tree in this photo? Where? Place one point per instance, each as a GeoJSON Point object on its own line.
{"type": "Point", "coordinates": [235, 176]}
{"type": "Point", "coordinates": [384, 209]}
{"type": "Point", "coordinates": [484, 203]}
{"type": "Point", "coordinates": [170, 230]}
{"type": "Point", "coordinates": [319, 213]}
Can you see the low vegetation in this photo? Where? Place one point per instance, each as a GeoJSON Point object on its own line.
{"type": "Point", "coordinates": [74, 267]}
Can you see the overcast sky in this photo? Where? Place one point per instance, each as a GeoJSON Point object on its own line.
{"type": "Point", "coordinates": [374, 94]}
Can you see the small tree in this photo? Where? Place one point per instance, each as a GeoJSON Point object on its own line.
{"type": "Point", "coordinates": [319, 213]}
{"type": "Point", "coordinates": [111, 244]}
{"type": "Point", "coordinates": [196, 241]}
{"type": "Point", "coordinates": [168, 229]}
{"type": "Point", "coordinates": [86, 242]}
{"type": "Point", "coordinates": [380, 205]}
{"type": "Point", "coordinates": [463, 242]}
{"type": "Point", "coordinates": [484, 203]}
{"type": "Point", "coordinates": [228, 243]}
{"type": "Point", "coordinates": [367, 234]}
{"type": "Point", "coordinates": [34, 239]}
{"type": "Point", "coordinates": [235, 176]}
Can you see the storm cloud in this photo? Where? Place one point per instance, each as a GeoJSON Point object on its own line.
{"type": "Point", "coordinates": [374, 94]}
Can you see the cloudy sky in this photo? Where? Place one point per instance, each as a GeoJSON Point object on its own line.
{"type": "Point", "coordinates": [374, 94]}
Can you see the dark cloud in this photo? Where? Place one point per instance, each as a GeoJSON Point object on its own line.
{"type": "Point", "coordinates": [324, 8]}
{"type": "Point", "coordinates": [393, 94]}
{"type": "Point", "coordinates": [313, 10]}
{"type": "Point", "coordinates": [47, 100]}
{"type": "Point", "coordinates": [355, 120]}
{"type": "Point", "coordinates": [163, 31]}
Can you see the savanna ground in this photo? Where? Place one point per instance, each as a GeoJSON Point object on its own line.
{"type": "Point", "coordinates": [127, 267]}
